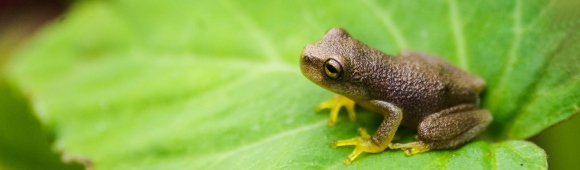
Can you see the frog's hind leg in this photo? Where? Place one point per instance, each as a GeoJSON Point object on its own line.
{"type": "Point", "coordinates": [447, 129]}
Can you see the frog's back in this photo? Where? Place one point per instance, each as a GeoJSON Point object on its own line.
{"type": "Point", "coordinates": [421, 85]}
{"type": "Point", "coordinates": [458, 76]}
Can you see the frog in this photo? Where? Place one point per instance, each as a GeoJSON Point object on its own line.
{"type": "Point", "coordinates": [412, 89]}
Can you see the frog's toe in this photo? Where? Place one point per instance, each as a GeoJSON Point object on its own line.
{"type": "Point", "coordinates": [355, 153]}
{"type": "Point", "coordinates": [363, 133]}
{"type": "Point", "coordinates": [411, 147]}
{"type": "Point", "coordinates": [364, 136]}
{"type": "Point", "coordinates": [362, 144]}
{"type": "Point", "coordinates": [326, 105]}
{"type": "Point", "coordinates": [349, 105]}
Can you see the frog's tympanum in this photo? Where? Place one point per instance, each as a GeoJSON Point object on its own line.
{"type": "Point", "coordinates": [412, 89]}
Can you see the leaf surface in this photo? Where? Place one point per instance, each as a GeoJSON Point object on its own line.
{"type": "Point", "coordinates": [216, 84]}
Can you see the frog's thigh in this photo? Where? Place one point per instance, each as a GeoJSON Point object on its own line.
{"type": "Point", "coordinates": [453, 127]}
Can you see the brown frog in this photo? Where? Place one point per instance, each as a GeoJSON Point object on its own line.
{"type": "Point", "coordinates": [412, 89]}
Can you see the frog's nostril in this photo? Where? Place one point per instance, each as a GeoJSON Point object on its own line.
{"type": "Point", "coordinates": [306, 58]}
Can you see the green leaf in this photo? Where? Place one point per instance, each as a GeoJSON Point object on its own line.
{"type": "Point", "coordinates": [216, 84]}
{"type": "Point", "coordinates": [23, 145]}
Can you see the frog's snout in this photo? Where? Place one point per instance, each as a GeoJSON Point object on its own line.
{"type": "Point", "coordinates": [306, 62]}
{"type": "Point", "coordinates": [305, 59]}
{"type": "Point", "coordinates": [308, 66]}
{"type": "Point", "coordinates": [304, 56]}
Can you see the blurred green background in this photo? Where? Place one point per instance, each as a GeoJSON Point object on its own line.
{"type": "Point", "coordinates": [24, 144]}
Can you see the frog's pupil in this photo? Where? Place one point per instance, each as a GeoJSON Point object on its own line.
{"type": "Point", "coordinates": [331, 68]}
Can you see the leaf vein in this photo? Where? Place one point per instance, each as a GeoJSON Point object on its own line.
{"type": "Point", "coordinates": [541, 73]}
{"type": "Point", "coordinates": [493, 158]}
{"type": "Point", "coordinates": [516, 150]}
{"type": "Point", "coordinates": [538, 17]}
{"type": "Point", "coordinates": [220, 156]}
{"type": "Point", "coordinates": [457, 31]}
{"type": "Point", "coordinates": [231, 62]}
{"type": "Point", "coordinates": [266, 44]}
{"type": "Point", "coordinates": [389, 24]}
{"type": "Point", "coordinates": [512, 54]}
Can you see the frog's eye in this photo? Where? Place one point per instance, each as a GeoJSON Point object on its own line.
{"type": "Point", "coordinates": [332, 68]}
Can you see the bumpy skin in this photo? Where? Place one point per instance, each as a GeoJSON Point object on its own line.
{"type": "Point", "coordinates": [413, 89]}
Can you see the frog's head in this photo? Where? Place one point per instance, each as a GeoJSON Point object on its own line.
{"type": "Point", "coordinates": [334, 63]}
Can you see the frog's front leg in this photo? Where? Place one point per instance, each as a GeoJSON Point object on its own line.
{"type": "Point", "coordinates": [334, 104]}
{"type": "Point", "coordinates": [382, 137]}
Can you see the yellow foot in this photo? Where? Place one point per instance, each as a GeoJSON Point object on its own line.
{"type": "Point", "coordinates": [334, 104]}
{"type": "Point", "coordinates": [362, 143]}
{"type": "Point", "coordinates": [411, 147]}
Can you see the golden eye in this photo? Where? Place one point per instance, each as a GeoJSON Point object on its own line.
{"type": "Point", "coordinates": [333, 68]}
